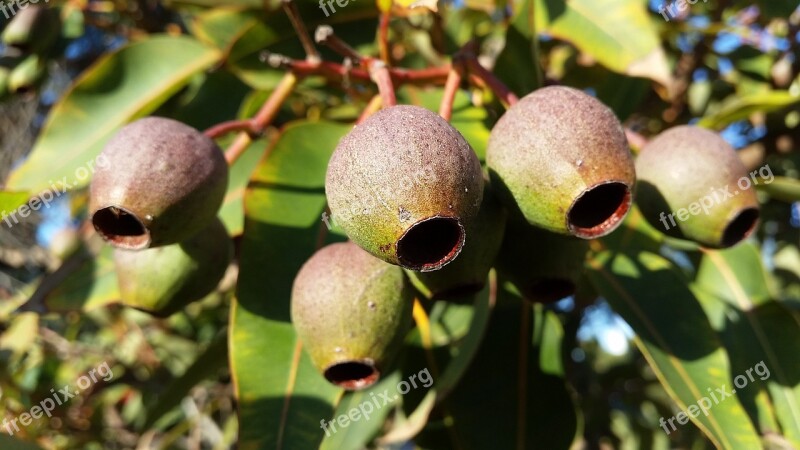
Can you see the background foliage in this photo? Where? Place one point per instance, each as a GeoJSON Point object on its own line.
{"type": "Point", "coordinates": [656, 322]}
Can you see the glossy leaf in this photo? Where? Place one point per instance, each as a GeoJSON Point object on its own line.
{"type": "Point", "coordinates": [741, 107]}
{"type": "Point", "coordinates": [675, 337]}
{"type": "Point", "coordinates": [118, 88]}
{"type": "Point", "coordinates": [760, 336]}
{"type": "Point", "coordinates": [282, 397]}
{"type": "Point", "coordinates": [603, 30]}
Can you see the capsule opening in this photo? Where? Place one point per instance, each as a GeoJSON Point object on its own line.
{"type": "Point", "coordinates": [352, 375]}
{"type": "Point", "coordinates": [121, 228]}
{"type": "Point", "coordinates": [599, 210]}
{"type": "Point", "coordinates": [430, 244]}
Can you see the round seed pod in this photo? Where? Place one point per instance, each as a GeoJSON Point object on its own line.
{"type": "Point", "coordinates": [352, 311]}
{"type": "Point", "coordinates": [544, 266]}
{"type": "Point", "coordinates": [402, 185]}
{"type": "Point", "coordinates": [157, 182]}
{"type": "Point", "coordinates": [162, 281]}
{"type": "Point", "coordinates": [561, 159]}
{"type": "Point", "coordinates": [692, 185]}
{"type": "Point", "coordinates": [467, 274]}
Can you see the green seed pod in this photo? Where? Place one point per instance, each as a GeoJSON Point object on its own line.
{"type": "Point", "coordinates": [403, 184]}
{"type": "Point", "coordinates": [27, 75]}
{"type": "Point", "coordinates": [352, 311]}
{"type": "Point", "coordinates": [692, 185]}
{"type": "Point", "coordinates": [467, 274]}
{"type": "Point", "coordinates": [545, 267]}
{"type": "Point", "coordinates": [33, 29]}
{"type": "Point", "coordinates": [162, 281]}
{"type": "Point", "coordinates": [157, 182]}
{"type": "Point", "coordinates": [561, 159]}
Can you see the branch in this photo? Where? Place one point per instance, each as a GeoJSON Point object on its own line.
{"type": "Point", "coordinates": [290, 7]}
{"type": "Point", "coordinates": [263, 118]}
{"type": "Point", "coordinates": [325, 36]}
{"type": "Point", "coordinates": [336, 73]}
{"type": "Point", "coordinates": [381, 76]}
{"type": "Point", "coordinates": [219, 130]}
{"type": "Point", "coordinates": [450, 91]}
{"type": "Point", "coordinates": [498, 87]}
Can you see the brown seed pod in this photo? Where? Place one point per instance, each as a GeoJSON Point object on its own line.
{"type": "Point", "coordinates": [692, 185]}
{"type": "Point", "coordinates": [158, 182]}
{"type": "Point", "coordinates": [352, 311]}
{"type": "Point", "coordinates": [403, 184]}
{"type": "Point", "coordinates": [561, 159]}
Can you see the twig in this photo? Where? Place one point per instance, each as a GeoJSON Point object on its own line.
{"type": "Point", "coordinates": [450, 91]}
{"type": "Point", "coordinates": [299, 27]}
{"type": "Point", "coordinates": [498, 87]}
{"type": "Point", "coordinates": [224, 128]}
{"type": "Point", "coordinates": [334, 72]}
{"type": "Point", "coordinates": [325, 36]}
{"type": "Point", "coordinates": [381, 76]}
{"type": "Point", "coordinates": [263, 118]}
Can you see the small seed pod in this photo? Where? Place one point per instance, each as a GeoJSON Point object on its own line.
{"type": "Point", "coordinates": [403, 184]}
{"type": "Point", "coordinates": [33, 29]}
{"type": "Point", "coordinates": [467, 274]}
{"type": "Point", "coordinates": [160, 182]}
{"type": "Point", "coordinates": [352, 311]}
{"type": "Point", "coordinates": [692, 185]}
{"type": "Point", "coordinates": [162, 281]}
{"type": "Point", "coordinates": [544, 266]}
{"type": "Point", "coordinates": [561, 159]}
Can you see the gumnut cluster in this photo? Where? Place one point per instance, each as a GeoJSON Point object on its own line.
{"type": "Point", "coordinates": [156, 201]}
{"type": "Point", "coordinates": [427, 221]}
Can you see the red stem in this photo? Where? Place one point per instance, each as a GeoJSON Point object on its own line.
{"type": "Point", "coordinates": [450, 91]}
{"type": "Point", "coordinates": [219, 130]}
{"type": "Point", "coordinates": [498, 87]}
{"type": "Point", "coordinates": [263, 118]}
{"type": "Point", "coordinates": [381, 76]}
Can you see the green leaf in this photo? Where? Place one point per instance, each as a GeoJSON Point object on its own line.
{"type": "Point", "coordinates": [732, 285]}
{"type": "Point", "coordinates": [282, 398]}
{"type": "Point", "coordinates": [675, 337]}
{"type": "Point", "coordinates": [738, 107]}
{"type": "Point", "coordinates": [460, 354]}
{"type": "Point", "coordinates": [603, 29]}
{"type": "Point", "coordinates": [232, 211]}
{"type": "Point", "coordinates": [508, 400]}
{"type": "Point", "coordinates": [119, 87]}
